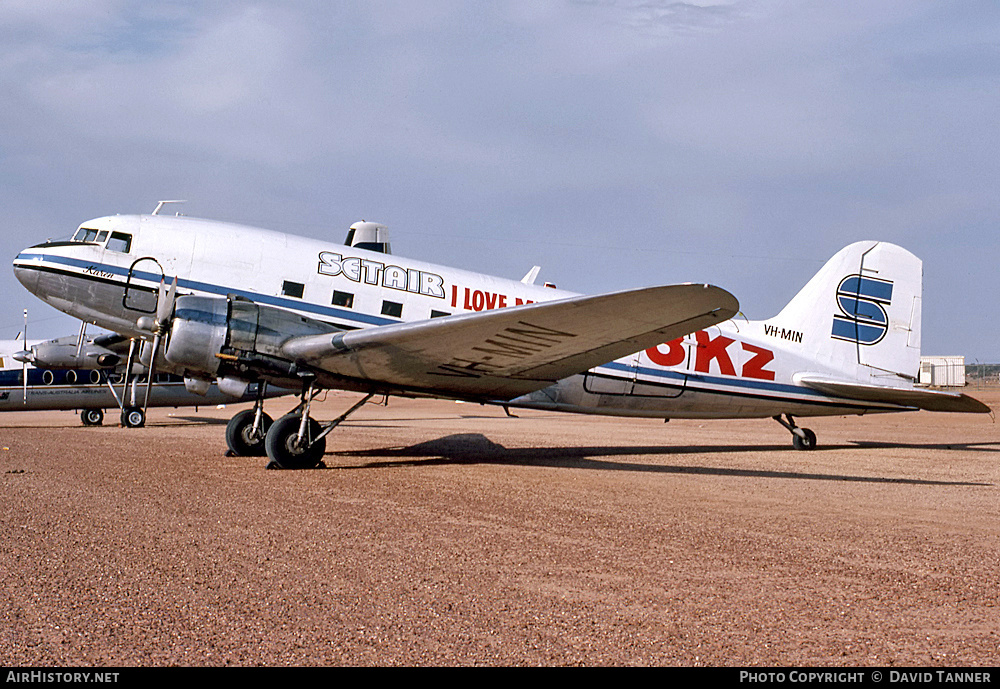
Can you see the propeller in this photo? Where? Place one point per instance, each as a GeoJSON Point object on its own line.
{"type": "Point", "coordinates": [164, 311]}
{"type": "Point", "coordinates": [24, 364]}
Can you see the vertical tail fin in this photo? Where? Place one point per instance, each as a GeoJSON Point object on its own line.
{"type": "Point", "coordinates": [860, 314]}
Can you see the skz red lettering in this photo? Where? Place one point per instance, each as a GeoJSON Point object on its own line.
{"type": "Point", "coordinates": [710, 349]}
{"type": "Point", "coordinates": [754, 368]}
{"type": "Point", "coordinates": [672, 357]}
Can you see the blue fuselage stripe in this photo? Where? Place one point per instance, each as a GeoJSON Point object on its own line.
{"type": "Point", "coordinates": [208, 287]}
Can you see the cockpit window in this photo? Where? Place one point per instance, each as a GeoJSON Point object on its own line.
{"type": "Point", "coordinates": [85, 234]}
{"type": "Point", "coordinates": [120, 242]}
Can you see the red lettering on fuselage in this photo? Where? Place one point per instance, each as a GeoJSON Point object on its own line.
{"type": "Point", "coordinates": [481, 300]}
{"type": "Point", "coordinates": [713, 349]}
{"type": "Point", "coordinates": [672, 357]}
{"type": "Point", "coordinates": [709, 349]}
{"type": "Point", "coordinates": [754, 368]}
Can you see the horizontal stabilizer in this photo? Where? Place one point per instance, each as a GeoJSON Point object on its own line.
{"type": "Point", "coordinates": [931, 400]}
{"type": "Point", "coordinates": [507, 352]}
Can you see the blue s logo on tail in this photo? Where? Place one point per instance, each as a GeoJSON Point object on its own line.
{"type": "Point", "coordinates": [862, 318]}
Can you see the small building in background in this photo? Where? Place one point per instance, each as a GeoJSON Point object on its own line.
{"type": "Point", "coordinates": [942, 371]}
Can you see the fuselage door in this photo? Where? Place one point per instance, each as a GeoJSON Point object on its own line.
{"type": "Point", "coordinates": [139, 295]}
{"type": "Point", "coordinates": [662, 371]}
{"type": "Point", "coordinates": [615, 378]}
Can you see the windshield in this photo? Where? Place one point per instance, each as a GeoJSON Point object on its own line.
{"type": "Point", "coordinates": [120, 241]}
{"type": "Point", "coordinates": [85, 234]}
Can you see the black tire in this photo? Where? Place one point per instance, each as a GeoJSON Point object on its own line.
{"type": "Point", "coordinates": [282, 444]}
{"type": "Point", "coordinates": [92, 417]}
{"type": "Point", "coordinates": [133, 417]}
{"type": "Point", "coordinates": [805, 442]}
{"type": "Point", "coordinates": [239, 438]}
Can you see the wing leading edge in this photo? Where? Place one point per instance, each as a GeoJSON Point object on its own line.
{"type": "Point", "coordinates": [505, 353]}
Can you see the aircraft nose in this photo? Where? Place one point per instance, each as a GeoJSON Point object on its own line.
{"type": "Point", "coordinates": [25, 275]}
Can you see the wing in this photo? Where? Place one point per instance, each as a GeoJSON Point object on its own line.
{"type": "Point", "coordinates": [500, 354]}
{"type": "Point", "coordinates": [931, 400]}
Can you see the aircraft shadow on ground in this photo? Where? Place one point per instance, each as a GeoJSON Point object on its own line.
{"type": "Point", "coordinates": [476, 448]}
{"type": "Point", "coordinates": [194, 420]}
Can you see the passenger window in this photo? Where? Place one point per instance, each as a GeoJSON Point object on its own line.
{"type": "Point", "coordinates": [120, 242]}
{"type": "Point", "coordinates": [391, 308]}
{"type": "Point", "coordinates": [439, 314]}
{"type": "Point", "coordinates": [292, 289]}
{"type": "Point", "coordinates": [345, 299]}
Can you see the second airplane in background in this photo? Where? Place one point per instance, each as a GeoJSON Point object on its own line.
{"type": "Point", "coordinates": [88, 375]}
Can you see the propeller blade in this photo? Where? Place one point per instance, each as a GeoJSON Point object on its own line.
{"type": "Point", "coordinates": [152, 371]}
{"type": "Point", "coordinates": [24, 365]}
{"type": "Point", "coordinates": [128, 370]}
{"type": "Point", "coordinates": [164, 310]}
{"type": "Point", "coordinates": [165, 306]}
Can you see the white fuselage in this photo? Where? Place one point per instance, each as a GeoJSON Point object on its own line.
{"type": "Point", "coordinates": [736, 369]}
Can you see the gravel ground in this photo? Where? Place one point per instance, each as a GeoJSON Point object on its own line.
{"type": "Point", "coordinates": [447, 534]}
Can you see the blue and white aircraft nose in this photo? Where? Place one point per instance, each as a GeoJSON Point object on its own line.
{"type": "Point", "coordinates": [25, 272]}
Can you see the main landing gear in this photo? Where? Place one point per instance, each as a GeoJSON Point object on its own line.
{"type": "Point", "coordinates": [802, 438]}
{"type": "Point", "coordinates": [295, 441]}
{"type": "Point", "coordinates": [246, 431]}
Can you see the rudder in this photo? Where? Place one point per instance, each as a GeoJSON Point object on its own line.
{"type": "Point", "coordinates": [861, 313]}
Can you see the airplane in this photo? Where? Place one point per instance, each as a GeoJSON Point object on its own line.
{"type": "Point", "coordinates": [310, 315]}
{"type": "Point", "coordinates": [73, 373]}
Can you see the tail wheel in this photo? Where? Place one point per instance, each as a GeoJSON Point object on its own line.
{"type": "Point", "coordinates": [285, 449]}
{"type": "Point", "coordinates": [92, 417]}
{"type": "Point", "coordinates": [242, 441]}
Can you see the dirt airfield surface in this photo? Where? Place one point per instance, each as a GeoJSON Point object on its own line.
{"type": "Point", "coordinates": [448, 534]}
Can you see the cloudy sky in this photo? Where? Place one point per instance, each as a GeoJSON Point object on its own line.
{"type": "Point", "coordinates": [616, 143]}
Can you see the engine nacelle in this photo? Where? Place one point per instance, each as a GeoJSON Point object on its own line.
{"type": "Point", "coordinates": [197, 334]}
{"type": "Point", "coordinates": [235, 337]}
{"type": "Point", "coordinates": [65, 353]}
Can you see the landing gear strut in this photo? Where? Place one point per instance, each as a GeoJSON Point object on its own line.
{"type": "Point", "coordinates": [802, 438]}
{"type": "Point", "coordinates": [296, 441]}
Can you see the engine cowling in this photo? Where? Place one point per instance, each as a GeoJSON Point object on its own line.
{"type": "Point", "coordinates": [236, 338]}
{"type": "Point", "coordinates": [65, 353]}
